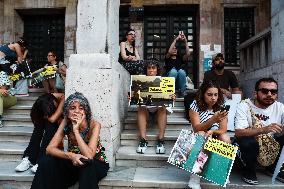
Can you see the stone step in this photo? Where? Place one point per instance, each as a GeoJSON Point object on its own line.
{"type": "Point", "coordinates": [16, 133]}
{"type": "Point", "coordinates": [131, 137]}
{"type": "Point", "coordinates": [170, 121]}
{"type": "Point", "coordinates": [127, 156]}
{"type": "Point", "coordinates": [17, 123]}
{"type": "Point", "coordinates": [12, 150]}
{"type": "Point", "coordinates": [18, 117]}
{"type": "Point", "coordinates": [137, 177]}
{"type": "Point", "coordinates": [177, 112]}
{"type": "Point", "coordinates": [18, 109]}
{"type": "Point", "coordinates": [131, 126]}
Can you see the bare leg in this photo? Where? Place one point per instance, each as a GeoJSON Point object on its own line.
{"type": "Point", "coordinates": [46, 86]}
{"type": "Point", "coordinates": [142, 121]}
{"type": "Point", "coordinates": [52, 85]}
{"type": "Point", "coordinates": [162, 121]}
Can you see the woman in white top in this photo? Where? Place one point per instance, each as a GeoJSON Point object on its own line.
{"type": "Point", "coordinates": [206, 117]}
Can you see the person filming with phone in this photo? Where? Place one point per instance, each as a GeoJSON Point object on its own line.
{"type": "Point", "coordinates": [176, 65]}
{"type": "Point", "coordinates": [208, 116]}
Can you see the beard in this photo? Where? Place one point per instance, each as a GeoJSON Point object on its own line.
{"type": "Point", "coordinates": [219, 66]}
{"type": "Point", "coordinates": [265, 101]}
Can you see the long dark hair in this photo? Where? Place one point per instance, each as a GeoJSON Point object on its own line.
{"type": "Point", "coordinates": [22, 42]}
{"type": "Point", "coordinates": [200, 96]}
{"type": "Point", "coordinates": [43, 108]}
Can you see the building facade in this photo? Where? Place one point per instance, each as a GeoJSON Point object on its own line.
{"type": "Point", "coordinates": [210, 26]}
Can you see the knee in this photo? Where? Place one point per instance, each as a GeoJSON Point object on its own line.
{"type": "Point", "coordinates": [247, 143]}
{"type": "Point", "coordinates": [162, 110]}
{"type": "Point", "coordinates": [181, 72]}
{"type": "Point", "coordinates": [173, 73]}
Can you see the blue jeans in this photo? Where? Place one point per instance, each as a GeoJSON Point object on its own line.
{"type": "Point", "coordinates": [180, 77]}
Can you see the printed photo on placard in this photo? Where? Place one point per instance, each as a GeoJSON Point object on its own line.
{"type": "Point", "coordinates": [152, 90]}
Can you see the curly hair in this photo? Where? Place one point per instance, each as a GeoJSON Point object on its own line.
{"type": "Point", "coordinates": [43, 108]}
{"type": "Point", "coordinates": [200, 96]}
{"type": "Point", "coordinates": [78, 97]}
{"type": "Point", "coordinates": [153, 62]}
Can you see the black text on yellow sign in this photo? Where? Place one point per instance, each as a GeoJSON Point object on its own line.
{"type": "Point", "coordinates": [222, 148]}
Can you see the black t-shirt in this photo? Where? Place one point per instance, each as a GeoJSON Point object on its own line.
{"type": "Point", "coordinates": [177, 63]}
{"type": "Point", "coordinates": [225, 81]}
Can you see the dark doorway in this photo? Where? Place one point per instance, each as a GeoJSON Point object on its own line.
{"type": "Point", "coordinates": [44, 30]}
{"type": "Point", "coordinates": [161, 26]}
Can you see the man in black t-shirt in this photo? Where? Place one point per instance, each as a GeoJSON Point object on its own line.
{"type": "Point", "coordinates": [226, 79]}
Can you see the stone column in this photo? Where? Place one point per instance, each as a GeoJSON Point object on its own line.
{"type": "Point", "coordinates": [95, 72]}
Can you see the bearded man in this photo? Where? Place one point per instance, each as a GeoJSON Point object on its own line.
{"type": "Point", "coordinates": [271, 114]}
{"type": "Point", "coordinates": [225, 78]}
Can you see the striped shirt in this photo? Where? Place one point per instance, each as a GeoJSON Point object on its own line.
{"type": "Point", "coordinates": [204, 115]}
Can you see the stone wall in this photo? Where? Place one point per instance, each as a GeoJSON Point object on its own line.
{"type": "Point", "coordinates": [105, 83]}
{"type": "Point", "coordinates": [276, 68]}
{"type": "Point", "coordinates": [11, 24]}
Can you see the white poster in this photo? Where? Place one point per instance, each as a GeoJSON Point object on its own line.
{"type": "Point", "coordinates": [236, 98]}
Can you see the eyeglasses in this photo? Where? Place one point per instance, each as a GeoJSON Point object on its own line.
{"type": "Point", "coordinates": [266, 91]}
{"type": "Point", "coordinates": [50, 55]}
{"type": "Point", "coordinates": [133, 34]}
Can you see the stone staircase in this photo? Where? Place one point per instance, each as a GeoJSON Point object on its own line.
{"type": "Point", "coordinates": [132, 170]}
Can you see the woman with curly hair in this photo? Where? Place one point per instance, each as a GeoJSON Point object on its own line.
{"type": "Point", "coordinates": [206, 117]}
{"type": "Point", "coordinates": [45, 114]}
{"type": "Point", "coordinates": [84, 161]}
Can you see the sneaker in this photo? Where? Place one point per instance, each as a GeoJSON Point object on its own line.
{"type": "Point", "coordinates": [250, 178]}
{"type": "Point", "coordinates": [160, 147]}
{"type": "Point", "coordinates": [24, 165]}
{"type": "Point", "coordinates": [1, 123]}
{"type": "Point", "coordinates": [34, 168]}
{"type": "Point", "coordinates": [194, 182]}
{"type": "Point", "coordinates": [142, 147]}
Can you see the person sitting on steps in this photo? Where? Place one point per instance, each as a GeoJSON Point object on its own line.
{"type": "Point", "coordinates": [152, 69]}
{"type": "Point", "coordinates": [45, 114]}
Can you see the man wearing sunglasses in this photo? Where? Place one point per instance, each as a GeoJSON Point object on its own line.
{"type": "Point", "coordinates": [271, 114]}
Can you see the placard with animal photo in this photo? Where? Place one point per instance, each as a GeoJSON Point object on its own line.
{"type": "Point", "coordinates": [152, 90]}
{"type": "Point", "coordinates": [208, 158]}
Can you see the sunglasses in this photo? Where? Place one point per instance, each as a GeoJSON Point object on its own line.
{"type": "Point", "coordinates": [131, 34]}
{"type": "Point", "coordinates": [266, 91]}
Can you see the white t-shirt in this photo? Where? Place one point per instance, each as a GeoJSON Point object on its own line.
{"type": "Point", "coordinates": [204, 115]}
{"type": "Point", "coordinates": [272, 114]}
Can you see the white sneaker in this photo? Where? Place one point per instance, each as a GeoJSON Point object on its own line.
{"type": "Point", "coordinates": [194, 182]}
{"type": "Point", "coordinates": [142, 147]}
{"type": "Point", "coordinates": [24, 165]}
{"type": "Point", "coordinates": [34, 168]}
{"type": "Point", "coordinates": [160, 148]}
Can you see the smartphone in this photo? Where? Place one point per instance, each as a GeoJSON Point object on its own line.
{"type": "Point", "coordinates": [225, 108]}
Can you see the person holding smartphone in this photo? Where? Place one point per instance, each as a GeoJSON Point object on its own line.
{"type": "Point", "coordinates": [176, 65]}
{"type": "Point", "coordinates": [207, 117]}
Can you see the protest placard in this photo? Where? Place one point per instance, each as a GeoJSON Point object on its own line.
{"type": "Point", "coordinates": [152, 90]}
{"type": "Point", "coordinates": [208, 158]}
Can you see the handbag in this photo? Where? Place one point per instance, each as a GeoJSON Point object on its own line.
{"type": "Point", "coordinates": [268, 146]}
{"type": "Point", "coordinates": [59, 83]}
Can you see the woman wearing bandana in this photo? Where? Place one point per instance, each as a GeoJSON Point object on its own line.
{"type": "Point", "coordinates": [84, 161]}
